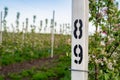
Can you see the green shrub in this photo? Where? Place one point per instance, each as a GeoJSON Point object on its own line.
{"type": "Point", "coordinates": [51, 73]}
{"type": "Point", "coordinates": [39, 76]}
{"type": "Point", "coordinates": [1, 77]}
{"type": "Point", "coordinates": [24, 73]}
{"type": "Point", "coordinates": [15, 77]}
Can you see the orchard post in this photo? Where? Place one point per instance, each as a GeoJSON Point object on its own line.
{"type": "Point", "coordinates": [79, 58]}
{"type": "Point", "coordinates": [1, 27]}
{"type": "Point", "coordinates": [52, 33]}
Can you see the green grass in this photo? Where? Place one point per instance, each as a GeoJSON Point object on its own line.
{"type": "Point", "coordinates": [36, 46]}
{"type": "Point", "coordinates": [59, 71]}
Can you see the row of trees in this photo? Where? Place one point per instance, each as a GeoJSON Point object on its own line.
{"type": "Point", "coordinates": [104, 45]}
{"type": "Point", "coordinates": [59, 28]}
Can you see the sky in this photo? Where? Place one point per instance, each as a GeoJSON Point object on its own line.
{"type": "Point", "coordinates": [41, 8]}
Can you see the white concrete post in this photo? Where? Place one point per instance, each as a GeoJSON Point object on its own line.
{"type": "Point", "coordinates": [0, 27]}
{"type": "Point", "coordinates": [79, 63]}
{"type": "Point", "coordinates": [52, 37]}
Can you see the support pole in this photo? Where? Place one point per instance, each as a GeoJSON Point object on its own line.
{"type": "Point", "coordinates": [79, 62]}
{"type": "Point", "coordinates": [52, 33]}
{"type": "Point", "coordinates": [1, 27]}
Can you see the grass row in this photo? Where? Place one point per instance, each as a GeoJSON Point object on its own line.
{"type": "Point", "coordinates": [58, 71]}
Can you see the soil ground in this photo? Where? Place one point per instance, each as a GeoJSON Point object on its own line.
{"type": "Point", "coordinates": [18, 67]}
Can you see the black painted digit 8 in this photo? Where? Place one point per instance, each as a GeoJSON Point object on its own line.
{"type": "Point", "coordinates": [76, 28]}
{"type": "Point", "coordinates": [79, 55]}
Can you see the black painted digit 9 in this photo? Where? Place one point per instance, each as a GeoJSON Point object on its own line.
{"type": "Point", "coordinates": [79, 55]}
{"type": "Point", "coordinates": [78, 28]}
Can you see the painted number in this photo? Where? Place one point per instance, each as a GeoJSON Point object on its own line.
{"type": "Point", "coordinates": [78, 54]}
{"type": "Point", "coordinates": [78, 28]}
